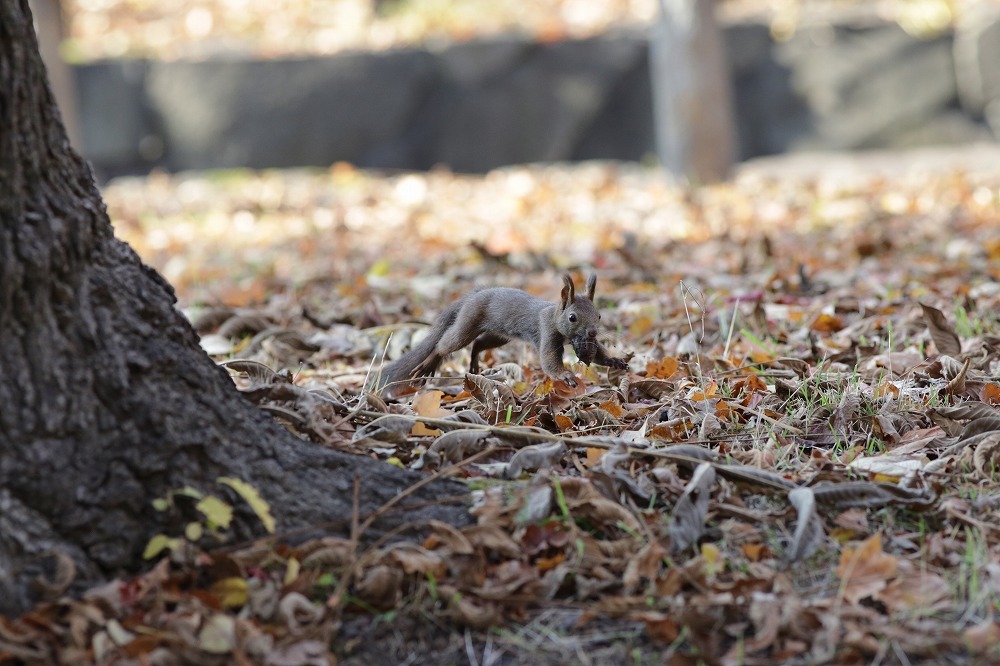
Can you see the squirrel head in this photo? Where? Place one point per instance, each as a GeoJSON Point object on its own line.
{"type": "Point", "coordinates": [577, 318]}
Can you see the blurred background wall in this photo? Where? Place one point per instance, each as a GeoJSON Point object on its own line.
{"type": "Point", "coordinates": [415, 84]}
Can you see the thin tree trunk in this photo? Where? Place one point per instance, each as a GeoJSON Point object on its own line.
{"type": "Point", "coordinates": [106, 399]}
{"type": "Point", "coordinates": [692, 98]}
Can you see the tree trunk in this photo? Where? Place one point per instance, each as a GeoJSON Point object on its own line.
{"type": "Point", "coordinates": [692, 97]}
{"type": "Point", "coordinates": [106, 399]}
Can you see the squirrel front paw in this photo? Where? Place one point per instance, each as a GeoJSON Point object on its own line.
{"type": "Point", "coordinates": [617, 363]}
{"type": "Point", "coordinates": [569, 379]}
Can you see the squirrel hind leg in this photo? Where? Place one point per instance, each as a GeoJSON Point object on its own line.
{"type": "Point", "coordinates": [481, 344]}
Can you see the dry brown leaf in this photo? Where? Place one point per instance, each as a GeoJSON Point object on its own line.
{"type": "Point", "coordinates": [986, 457]}
{"type": "Point", "coordinates": [808, 528]}
{"type": "Point", "coordinates": [644, 565]}
{"type": "Point", "coordinates": [416, 559]}
{"type": "Point", "coordinates": [865, 569]}
{"type": "Point", "coordinates": [390, 429]}
{"type": "Point", "coordinates": [496, 397]}
{"type": "Point", "coordinates": [539, 456]}
{"type": "Point", "coordinates": [428, 403]}
{"type": "Point", "coordinates": [915, 591]}
{"type": "Point", "coordinates": [984, 639]}
{"type": "Point", "coordinates": [380, 586]}
{"type": "Point", "coordinates": [687, 522]}
{"type": "Point", "coordinates": [458, 444]}
{"type": "Point", "coordinates": [945, 338]}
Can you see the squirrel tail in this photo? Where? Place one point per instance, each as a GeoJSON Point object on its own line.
{"type": "Point", "coordinates": [422, 360]}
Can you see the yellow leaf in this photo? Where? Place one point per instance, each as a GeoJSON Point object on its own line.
{"type": "Point", "coordinates": [253, 498]}
{"type": "Point", "coordinates": [292, 571]}
{"type": "Point", "coordinates": [193, 531]}
{"type": "Point", "coordinates": [157, 545]}
{"type": "Point", "coordinates": [232, 592]}
{"type": "Point", "coordinates": [428, 403]}
{"type": "Point", "coordinates": [712, 558]}
{"type": "Point", "coordinates": [216, 512]}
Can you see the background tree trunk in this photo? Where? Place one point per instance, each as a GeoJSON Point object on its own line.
{"type": "Point", "coordinates": [692, 96]}
{"type": "Point", "coordinates": [106, 399]}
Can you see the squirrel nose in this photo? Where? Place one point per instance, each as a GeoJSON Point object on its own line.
{"type": "Point", "coordinates": [592, 333]}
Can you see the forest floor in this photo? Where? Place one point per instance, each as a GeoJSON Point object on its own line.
{"type": "Point", "coordinates": [799, 466]}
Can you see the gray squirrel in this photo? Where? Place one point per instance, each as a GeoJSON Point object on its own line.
{"type": "Point", "coordinates": [489, 318]}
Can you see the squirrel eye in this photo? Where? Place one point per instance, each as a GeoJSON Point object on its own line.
{"type": "Point", "coordinates": [572, 317]}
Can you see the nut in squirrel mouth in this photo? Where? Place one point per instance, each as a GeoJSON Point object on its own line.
{"type": "Point", "coordinates": [585, 348]}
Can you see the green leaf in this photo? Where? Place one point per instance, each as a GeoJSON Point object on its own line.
{"type": "Point", "coordinates": [158, 544]}
{"type": "Point", "coordinates": [217, 512]}
{"type": "Point", "coordinates": [188, 491]}
{"type": "Point", "coordinates": [194, 531]}
{"type": "Point", "coordinates": [253, 498]}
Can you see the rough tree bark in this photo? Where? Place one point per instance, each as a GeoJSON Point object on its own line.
{"type": "Point", "coordinates": [106, 400]}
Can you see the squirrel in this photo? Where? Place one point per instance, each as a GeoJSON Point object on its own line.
{"type": "Point", "coordinates": [489, 318]}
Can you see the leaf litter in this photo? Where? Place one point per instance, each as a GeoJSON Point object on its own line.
{"type": "Point", "coordinates": [799, 466]}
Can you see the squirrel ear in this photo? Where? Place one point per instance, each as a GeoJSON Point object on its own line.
{"type": "Point", "coordinates": [591, 286]}
{"type": "Point", "coordinates": [568, 291]}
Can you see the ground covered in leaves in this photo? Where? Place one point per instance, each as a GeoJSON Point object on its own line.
{"type": "Point", "coordinates": [799, 465]}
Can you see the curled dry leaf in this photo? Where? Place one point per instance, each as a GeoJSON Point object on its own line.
{"type": "Point", "coordinates": [457, 445]}
{"type": "Point", "coordinates": [258, 373]}
{"type": "Point", "coordinates": [380, 586]}
{"type": "Point", "coordinates": [687, 523]}
{"type": "Point", "coordinates": [448, 538]}
{"type": "Point", "coordinates": [465, 416]}
{"type": "Point", "coordinates": [869, 494]}
{"type": "Point", "coordinates": [918, 591]}
{"type": "Point", "coordinates": [606, 513]}
{"type": "Point", "coordinates": [808, 529]}
{"type": "Point", "coordinates": [390, 429]}
{"type": "Point", "coordinates": [416, 559]}
{"type": "Point", "coordinates": [297, 612]}
{"type": "Point", "coordinates": [945, 338]}
{"type": "Point", "coordinates": [63, 575]}
{"type": "Point", "coordinates": [986, 457]}
{"type": "Point", "coordinates": [536, 500]}
{"type": "Point", "coordinates": [301, 653]}
{"type": "Point", "coordinates": [644, 565]}
{"type": "Point", "coordinates": [492, 539]}
{"type": "Point", "coordinates": [475, 613]}
{"type": "Point", "coordinates": [947, 418]}
{"type": "Point", "coordinates": [616, 456]}
{"type": "Point", "coordinates": [496, 397]}
{"type": "Point", "coordinates": [539, 456]}
{"type": "Point", "coordinates": [217, 634]}
{"type": "Point", "coordinates": [652, 388]}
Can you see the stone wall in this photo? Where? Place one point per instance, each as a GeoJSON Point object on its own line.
{"type": "Point", "coordinates": [483, 104]}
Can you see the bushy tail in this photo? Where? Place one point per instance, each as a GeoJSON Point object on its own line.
{"type": "Point", "coordinates": [420, 361]}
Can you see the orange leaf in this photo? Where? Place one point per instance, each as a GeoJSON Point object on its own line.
{"type": "Point", "coordinates": [427, 403]}
{"type": "Point", "coordinates": [563, 422]}
{"type": "Point", "coordinates": [827, 324]}
{"type": "Point", "coordinates": [864, 570]}
{"type": "Point", "coordinates": [991, 394]}
{"type": "Point", "coordinates": [662, 370]}
{"type": "Point", "coordinates": [594, 456]}
{"type": "Point", "coordinates": [546, 563]}
{"type": "Point", "coordinates": [612, 407]}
